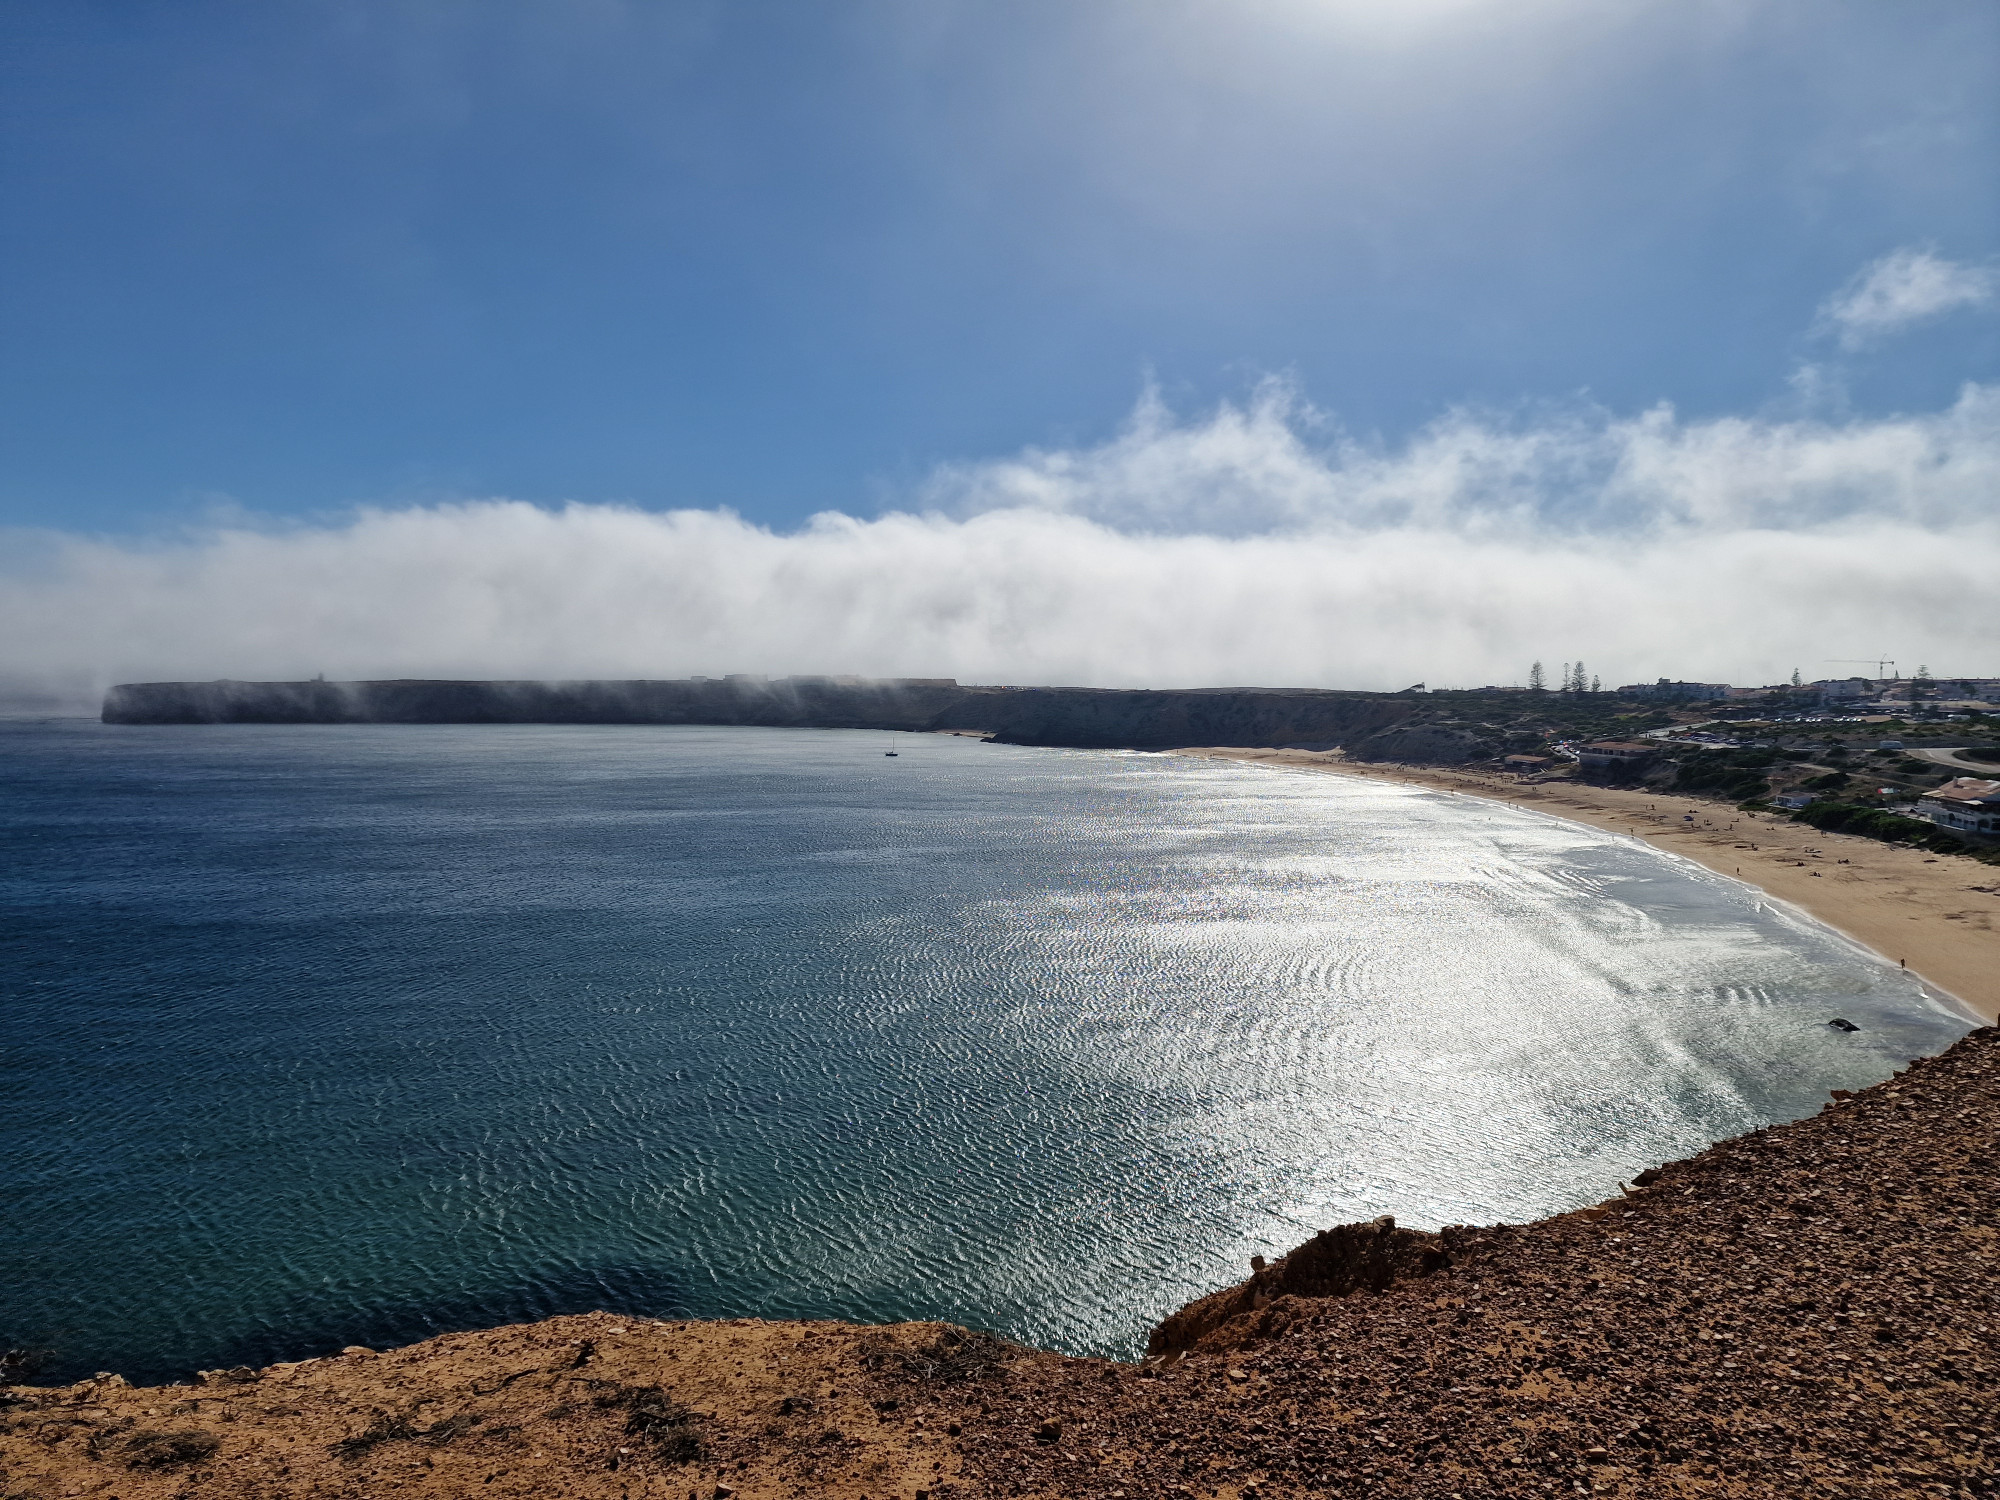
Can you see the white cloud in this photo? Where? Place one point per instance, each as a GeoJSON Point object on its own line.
{"type": "Point", "coordinates": [1904, 287]}
{"type": "Point", "coordinates": [1548, 474]}
{"type": "Point", "coordinates": [1257, 545]}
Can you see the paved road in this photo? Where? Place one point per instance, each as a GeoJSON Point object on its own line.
{"type": "Point", "coordinates": [1955, 758]}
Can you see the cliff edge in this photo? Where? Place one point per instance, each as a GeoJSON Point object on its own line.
{"type": "Point", "coordinates": [1086, 718]}
{"type": "Point", "coordinates": [1810, 1309]}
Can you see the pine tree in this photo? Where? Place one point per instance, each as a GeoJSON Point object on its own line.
{"type": "Point", "coordinates": [1564, 689]}
{"type": "Point", "coordinates": [1596, 686]}
{"type": "Point", "coordinates": [1797, 681]}
{"type": "Point", "coordinates": [1537, 683]}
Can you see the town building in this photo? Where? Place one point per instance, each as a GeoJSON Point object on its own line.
{"type": "Point", "coordinates": [1603, 755]}
{"type": "Point", "coordinates": [1664, 691]}
{"type": "Point", "coordinates": [1971, 804]}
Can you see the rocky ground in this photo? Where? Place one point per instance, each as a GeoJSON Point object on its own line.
{"type": "Point", "coordinates": [1807, 1310]}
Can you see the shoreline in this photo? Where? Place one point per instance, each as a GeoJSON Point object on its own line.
{"type": "Point", "coordinates": [1937, 916]}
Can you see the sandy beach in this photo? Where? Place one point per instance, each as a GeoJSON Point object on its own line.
{"type": "Point", "coordinates": [1936, 914]}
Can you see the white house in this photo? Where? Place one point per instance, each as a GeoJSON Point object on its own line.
{"type": "Point", "coordinates": [1970, 804]}
{"type": "Point", "coordinates": [1675, 692]}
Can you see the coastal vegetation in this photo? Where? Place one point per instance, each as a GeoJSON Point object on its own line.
{"type": "Point", "coordinates": [1891, 828]}
{"type": "Point", "coordinates": [1739, 775]}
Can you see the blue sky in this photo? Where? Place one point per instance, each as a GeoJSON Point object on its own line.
{"type": "Point", "coordinates": [1320, 342]}
{"type": "Point", "coordinates": [785, 257]}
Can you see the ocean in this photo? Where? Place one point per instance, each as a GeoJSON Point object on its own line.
{"type": "Point", "coordinates": [313, 1036]}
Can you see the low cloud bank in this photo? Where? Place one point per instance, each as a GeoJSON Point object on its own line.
{"type": "Point", "coordinates": [1257, 545]}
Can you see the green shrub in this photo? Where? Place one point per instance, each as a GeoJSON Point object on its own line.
{"type": "Point", "coordinates": [149, 1449]}
{"type": "Point", "coordinates": [1890, 828]}
{"type": "Point", "coordinates": [1736, 774]}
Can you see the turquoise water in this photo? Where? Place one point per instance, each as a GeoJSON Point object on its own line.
{"type": "Point", "coordinates": [329, 1035]}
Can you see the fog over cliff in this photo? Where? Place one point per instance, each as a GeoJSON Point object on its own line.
{"type": "Point", "coordinates": [1257, 543]}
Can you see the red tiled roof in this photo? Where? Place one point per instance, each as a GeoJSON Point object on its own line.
{"type": "Point", "coordinates": [1966, 789]}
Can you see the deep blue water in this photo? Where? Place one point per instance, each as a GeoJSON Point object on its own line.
{"type": "Point", "coordinates": [315, 1036]}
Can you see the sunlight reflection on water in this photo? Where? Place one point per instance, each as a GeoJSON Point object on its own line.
{"type": "Point", "coordinates": [347, 1035]}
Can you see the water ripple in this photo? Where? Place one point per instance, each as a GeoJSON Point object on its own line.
{"type": "Point", "coordinates": [325, 1035]}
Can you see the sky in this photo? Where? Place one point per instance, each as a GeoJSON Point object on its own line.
{"type": "Point", "coordinates": [1144, 342]}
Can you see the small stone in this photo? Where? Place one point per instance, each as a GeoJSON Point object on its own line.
{"type": "Point", "coordinates": [240, 1375]}
{"type": "Point", "coordinates": [1238, 1375]}
{"type": "Point", "coordinates": [1256, 1262]}
{"type": "Point", "coordinates": [1049, 1431]}
{"type": "Point", "coordinates": [954, 1429]}
{"type": "Point", "coordinates": [358, 1351]}
{"type": "Point", "coordinates": [1596, 1456]}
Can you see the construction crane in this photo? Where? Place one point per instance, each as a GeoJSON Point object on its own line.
{"type": "Point", "coordinates": [1878, 664]}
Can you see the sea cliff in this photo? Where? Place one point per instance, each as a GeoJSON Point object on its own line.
{"type": "Point", "coordinates": [1808, 1309]}
{"type": "Point", "coordinates": [1095, 718]}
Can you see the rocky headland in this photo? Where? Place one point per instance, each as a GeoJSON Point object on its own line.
{"type": "Point", "coordinates": [1810, 1309]}
{"type": "Point", "coordinates": [1084, 718]}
